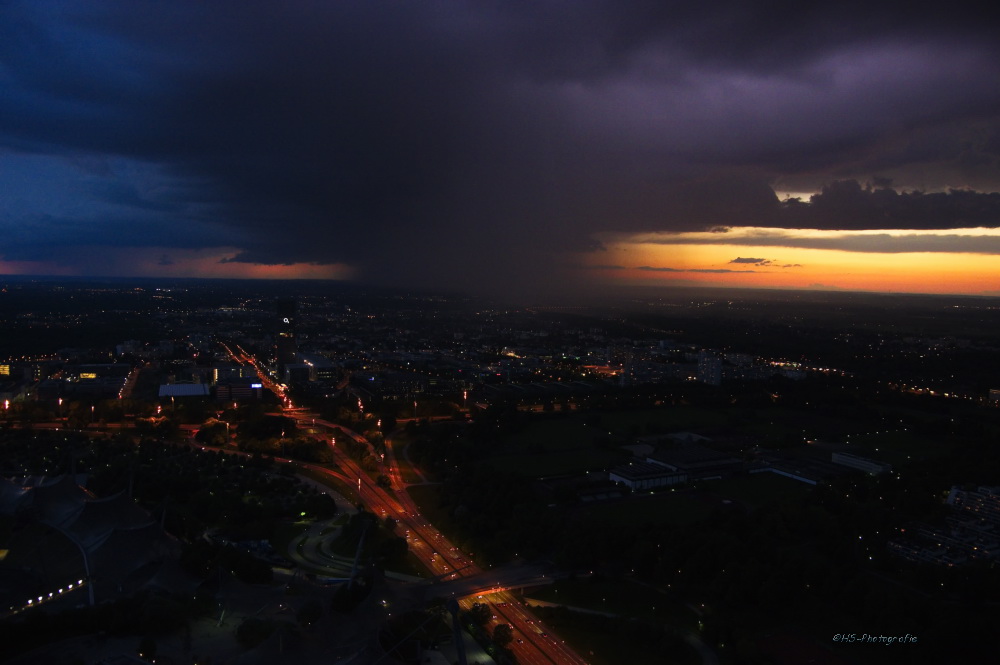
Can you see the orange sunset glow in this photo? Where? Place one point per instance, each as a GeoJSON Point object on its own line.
{"type": "Point", "coordinates": [800, 259]}
{"type": "Point", "coordinates": [182, 263]}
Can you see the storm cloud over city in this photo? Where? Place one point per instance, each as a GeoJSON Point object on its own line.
{"type": "Point", "coordinates": [503, 147]}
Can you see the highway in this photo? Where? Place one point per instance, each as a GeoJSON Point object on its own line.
{"type": "Point", "coordinates": [533, 644]}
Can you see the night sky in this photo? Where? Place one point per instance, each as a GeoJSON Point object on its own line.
{"type": "Point", "coordinates": [505, 146]}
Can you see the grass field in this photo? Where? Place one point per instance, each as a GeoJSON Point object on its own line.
{"type": "Point", "coordinates": [426, 498]}
{"type": "Point", "coordinates": [556, 446]}
{"type": "Point", "coordinates": [535, 465]}
{"type": "Point", "coordinates": [622, 598]}
{"type": "Point", "coordinates": [400, 440]}
{"type": "Point", "coordinates": [677, 508]}
{"type": "Point", "coordinates": [666, 419]}
{"type": "Point", "coordinates": [897, 446]}
{"type": "Point", "coordinates": [555, 435]}
{"type": "Point", "coordinates": [285, 533]}
{"type": "Point", "coordinates": [604, 641]}
{"type": "Point", "coordinates": [756, 490]}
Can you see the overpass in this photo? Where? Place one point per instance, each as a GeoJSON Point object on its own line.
{"type": "Point", "coordinates": [489, 581]}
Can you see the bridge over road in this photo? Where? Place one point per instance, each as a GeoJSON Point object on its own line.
{"type": "Point", "coordinates": [507, 578]}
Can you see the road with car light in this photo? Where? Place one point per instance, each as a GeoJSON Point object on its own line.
{"type": "Point", "coordinates": [533, 644]}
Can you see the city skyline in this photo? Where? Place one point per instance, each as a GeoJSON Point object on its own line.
{"type": "Point", "coordinates": [504, 149]}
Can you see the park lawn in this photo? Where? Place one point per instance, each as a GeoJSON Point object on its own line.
{"type": "Point", "coordinates": [676, 508]}
{"type": "Point", "coordinates": [537, 465]}
{"type": "Point", "coordinates": [772, 423]}
{"type": "Point", "coordinates": [621, 597]}
{"type": "Point", "coordinates": [780, 424]}
{"type": "Point", "coordinates": [400, 441]}
{"type": "Point", "coordinates": [285, 533]}
{"type": "Point", "coordinates": [553, 435]}
{"type": "Point", "coordinates": [411, 566]}
{"type": "Point", "coordinates": [666, 418]}
{"type": "Point", "coordinates": [427, 498]}
{"type": "Point", "coordinates": [600, 643]}
{"type": "Point", "coordinates": [899, 447]}
{"type": "Point", "coordinates": [756, 490]}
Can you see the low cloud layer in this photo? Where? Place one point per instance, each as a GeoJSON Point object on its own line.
{"type": "Point", "coordinates": [969, 241]}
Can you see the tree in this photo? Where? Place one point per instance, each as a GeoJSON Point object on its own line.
{"type": "Point", "coordinates": [213, 433]}
{"type": "Point", "coordinates": [503, 634]}
{"type": "Point", "coordinates": [267, 427]}
{"type": "Point", "coordinates": [480, 613]}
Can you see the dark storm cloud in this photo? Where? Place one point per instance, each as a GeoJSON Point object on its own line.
{"type": "Point", "coordinates": [469, 144]}
{"type": "Point", "coordinates": [848, 205]}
